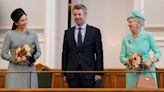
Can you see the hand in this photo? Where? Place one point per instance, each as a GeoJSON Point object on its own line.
{"type": "Point", "coordinates": [31, 59]}
{"type": "Point", "coordinates": [129, 65]}
{"type": "Point", "coordinates": [148, 64]}
{"type": "Point", "coordinates": [12, 58]}
{"type": "Point", "coordinates": [64, 78]}
{"type": "Point", "coordinates": [24, 62]}
{"type": "Point", "coordinates": [153, 59]}
{"type": "Point", "coordinates": [98, 77]}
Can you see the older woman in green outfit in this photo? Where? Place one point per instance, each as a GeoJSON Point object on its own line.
{"type": "Point", "coordinates": [141, 42]}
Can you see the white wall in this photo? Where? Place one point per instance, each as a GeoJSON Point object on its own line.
{"type": "Point", "coordinates": [62, 26]}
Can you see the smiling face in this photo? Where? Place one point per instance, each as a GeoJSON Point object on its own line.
{"type": "Point", "coordinates": [79, 16]}
{"type": "Point", "coordinates": [22, 22]}
{"type": "Point", "coordinates": [133, 25]}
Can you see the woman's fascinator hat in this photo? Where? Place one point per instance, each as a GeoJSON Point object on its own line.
{"type": "Point", "coordinates": [15, 16]}
{"type": "Point", "coordinates": [136, 14]}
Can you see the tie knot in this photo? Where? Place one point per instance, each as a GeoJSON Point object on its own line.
{"type": "Point", "coordinates": [79, 28]}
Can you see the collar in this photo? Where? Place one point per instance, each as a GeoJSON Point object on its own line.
{"type": "Point", "coordinates": [83, 26]}
{"type": "Point", "coordinates": [139, 34]}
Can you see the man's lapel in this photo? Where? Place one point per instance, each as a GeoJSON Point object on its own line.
{"type": "Point", "coordinates": [86, 36]}
{"type": "Point", "coordinates": [73, 37]}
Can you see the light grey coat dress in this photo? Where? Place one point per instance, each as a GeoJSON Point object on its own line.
{"type": "Point", "coordinates": [13, 40]}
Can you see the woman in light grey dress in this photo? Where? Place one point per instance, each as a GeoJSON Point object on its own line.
{"type": "Point", "coordinates": [16, 37]}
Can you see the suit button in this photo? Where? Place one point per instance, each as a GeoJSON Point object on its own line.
{"type": "Point", "coordinates": [79, 53]}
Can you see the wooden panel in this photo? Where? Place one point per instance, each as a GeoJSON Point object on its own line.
{"type": "Point", "coordinates": [113, 78]}
{"type": "Point", "coordinates": [58, 81]}
{"type": "Point", "coordinates": [120, 81]}
{"type": "Point", "coordinates": [161, 77]}
{"type": "Point", "coordinates": [161, 82]}
{"type": "Point", "coordinates": [2, 80]}
{"type": "Point", "coordinates": [107, 80]}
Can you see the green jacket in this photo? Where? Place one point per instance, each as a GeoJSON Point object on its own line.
{"type": "Point", "coordinates": [143, 44]}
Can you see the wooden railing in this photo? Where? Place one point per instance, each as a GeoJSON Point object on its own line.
{"type": "Point", "coordinates": [82, 90]}
{"type": "Point", "coordinates": [113, 78]}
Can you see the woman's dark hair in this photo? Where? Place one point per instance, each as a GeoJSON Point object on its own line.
{"type": "Point", "coordinates": [15, 16]}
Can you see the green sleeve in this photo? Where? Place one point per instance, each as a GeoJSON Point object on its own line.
{"type": "Point", "coordinates": [154, 47]}
{"type": "Point", "coordinates": [123, 54]}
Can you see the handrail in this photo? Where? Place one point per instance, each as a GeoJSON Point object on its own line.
{"type": "Point", "coordinates": [58, 71]}
{"type": "Point", "coordinates": [80, 90]}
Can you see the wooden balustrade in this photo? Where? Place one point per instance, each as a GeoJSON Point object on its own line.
{"type": "Point", "coordinates": [113, 78]}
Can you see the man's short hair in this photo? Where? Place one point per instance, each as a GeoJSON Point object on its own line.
{"type": "Point", "coordinates": [80, 6]}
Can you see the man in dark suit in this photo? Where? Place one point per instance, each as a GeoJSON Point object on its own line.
{"type": "Point", "coordinates": [82, 51]}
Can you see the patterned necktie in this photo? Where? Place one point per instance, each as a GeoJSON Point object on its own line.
{"type": "Point", "coordinates": [79, 38]}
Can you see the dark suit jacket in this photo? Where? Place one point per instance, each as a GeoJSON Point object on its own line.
{"type": "Point", "coordinates": [91, 55]}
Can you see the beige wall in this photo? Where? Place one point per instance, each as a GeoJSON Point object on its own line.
{"type": "Point", "coordinates": [34, 8]}
{"type": "Point", "coordinates": [155, 23]}
{"type": "Point", "coordinates": [154, 12]}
